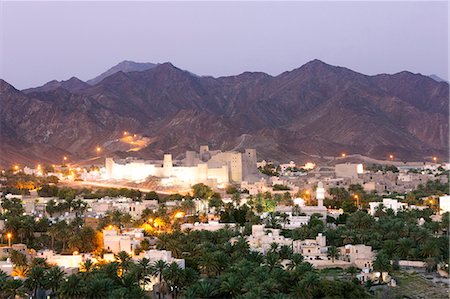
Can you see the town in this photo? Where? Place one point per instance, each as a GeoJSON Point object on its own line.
{"type": "Point", "coordinates": [214, 223]}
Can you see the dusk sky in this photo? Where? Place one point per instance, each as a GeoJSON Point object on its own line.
{"type": "Point", "coordinates": [42, 41]}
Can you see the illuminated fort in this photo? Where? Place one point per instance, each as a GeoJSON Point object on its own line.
{"type": "Point", "coordinates": [205, 166]}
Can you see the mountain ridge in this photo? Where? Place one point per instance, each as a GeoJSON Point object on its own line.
{"type": "Point", "coordinates": [316, 108]}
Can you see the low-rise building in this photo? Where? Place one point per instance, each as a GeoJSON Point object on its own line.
{"type": "Point", "coordinates": [5, 251]}
{"type": "Point", "coordinates": [210, 226]}
{"type": "Point", "coordinates": [65, 261]}
{"type": "Point", "coordinates": [126, 241]}
{"type": "Point", "coordinates": [444, 204]}
{"type": "Point", "coordinates": [360, 255]}
{"type": "Point", "coordinates": [388, 203]}
{"type": "Point", "coordinates": [261, 238]}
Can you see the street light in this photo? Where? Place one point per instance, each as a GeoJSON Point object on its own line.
{"type": "Point", "coordinates": [356, 196]}
{"type": "Point", "coordinates": [343, 155]}
{"type": "Point", "coordinates": [9, 236]}
{"type": "Point", "coordinates": [391, 156]}
{"type": "Point", "coordinates": [434, 159]}
{"type": "Point", "coordinates": [98, 149]}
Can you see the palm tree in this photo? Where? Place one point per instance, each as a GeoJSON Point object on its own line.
{"type": "Point", "coordinates": [204, 289]}
{"type": "Point", "coordinates": [174, 277]}
{"type": "Point", "coordinates": [208, 264]}
{"type": "Point", "coordinates": [53, 277]}
{"type": "Point", "coordinates": [295, 261]}
{"type": "Point", "coordinates": [231, 285]}
{"type": "Point", "coordinates": [285, 252]}
{"type": "Point", "coordinates": [53, 232]}
{"type": "Point", "coordinates": [124, 261]}
{"type": "Point", "coordinates": [404, 247]}
{"type": "Point", "coordinates": [18, 258]}
{"type": "Point", "coordinates": [299, 291]}
{"type": "Point", "coordinates": [284, 219]}
{"type": "Point", "coordinates": [273, 247]}
{"type": "Point", "coordinates": [360, 220]}
{"type": "Point", "coordinates": [99, 288]}
{"type": "Point", "coordinates": [143, 270]}
{"type": "Point", "coordinates": [157, 269]}
{"type": "Point", "coordinates": [87, 267]}
{"type": "Point", "coordinates": [241, 247]}
{"type": "Point", "coordinates": [382, 263]}
{"type": "Point", "coordinates": [273, 261]}
{"type": "Point", "coordinates": [72, 288]}
{"type": "Point", "coordinates": [11, 288]}
{"type": "Point", "coordinates": [21, 271]}
{"type": "Point", "coordinates": [352, 271]}
{"type": "Point", "coordinates": [430, 249]}
{"type": "Point", "coordinates": [36, 280]}
{"type": "Point", "coordinates": [333, 252]}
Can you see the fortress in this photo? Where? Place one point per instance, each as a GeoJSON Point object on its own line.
{"type": "Point", "coordinates": [210, 167]}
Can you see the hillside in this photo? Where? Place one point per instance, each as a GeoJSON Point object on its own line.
{"type": "Point", "coordinates": [315, 109]}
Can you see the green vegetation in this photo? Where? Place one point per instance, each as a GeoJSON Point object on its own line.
{"type": "Point", "coordinates": [382, 168]}
{"type": "Point", "coordinates": [270, 170]}
{"type": "Point", "coordinates": [278, 187]}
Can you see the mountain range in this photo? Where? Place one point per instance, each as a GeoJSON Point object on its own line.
{"type": "Point", "coordinates": [316, 109]}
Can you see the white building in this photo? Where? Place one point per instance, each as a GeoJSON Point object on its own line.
{"type": "Point", "coordinates": [444, 204]}
{"type": "Point", "coordinates": [126, 241]}
{"type": "Point", "coordinates": [388, 203]}
{"type": "Point", "coordinates": [68, 262]}
{"type": "Point", "coordinates": [209, 226]}
{"type": "Point", "coordinates": [155, 255]}
{"type": "Point", "coordinates": [261, 238]}
{"type": "Point", "coordinates": [213, 167]}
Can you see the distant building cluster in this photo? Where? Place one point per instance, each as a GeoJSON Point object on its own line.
{"type": "Point", "coordinates": [211, 167]}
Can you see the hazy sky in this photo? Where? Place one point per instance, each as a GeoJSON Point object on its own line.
{"type": "Point", "coordinates": [42, 41]}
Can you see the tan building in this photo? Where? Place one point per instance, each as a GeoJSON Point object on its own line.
{"type": "Point", "coordinates": [212, 167]}
{"type": "Point", "coordinates": [5, 251]}
{"type": "Point", "coordinates": [348, 170]}
{"type": "Point", "coordinates": [360, 255]}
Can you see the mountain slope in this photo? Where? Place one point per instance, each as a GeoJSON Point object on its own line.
{"type": "Point", "coordinates": [315, 109]}
{"type": "Point", "coordinates": [125, 66]}
{"type": "Point", "coordinates": [73, 85]}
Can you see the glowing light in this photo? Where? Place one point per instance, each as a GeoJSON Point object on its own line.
{"type": "Point", "coordinates": [75, 252]}
{"type": "Point", "coordinates": [158, 222]}
{"type": "Point", "coordinates": [110, 227]}
{"type": "Point", "coordinates": [9, 236]}
{"type": "Point", "coordinates": [391, 156]}
{"type": "Point", "coordinates": [65, 158]}
{"type": "Point", "coordinates": [309, 166]}
{"type": "Point", "coordinates": [434, 158]}
{"type": "Point", "coordinates": [16, 167]}
{"type": "Point", "coordinates": [179, 214]}
{"type": "Point", "coordinates": [343, 155]}
{"type": "Point", "coordinates": [134, 135]}
{"type": "Point", "coordinates": [39, 167]}
{"type": "Point", "coordinates": [98, 149]}
{"type": "Point", "coordinates": [125, 133]}
{"type": "Point", "coordinates": [307, 192]}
